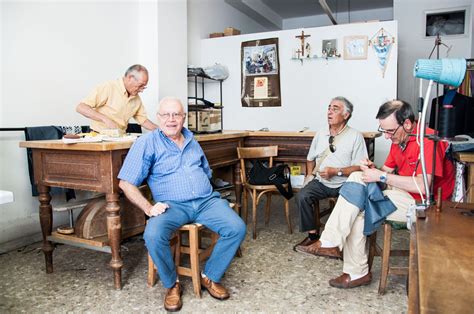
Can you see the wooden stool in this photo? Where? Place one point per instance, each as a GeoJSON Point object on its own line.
{"type": "Point", "coordinates": [387, 252]}
{"type": "Point", "coordinates": [194, 250]}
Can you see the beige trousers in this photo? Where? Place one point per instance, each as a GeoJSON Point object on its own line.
{"type": "Point", "coordinates": [345, 226]}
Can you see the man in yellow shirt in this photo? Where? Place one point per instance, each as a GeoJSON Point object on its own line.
{"type": "Point", "coordinates": [111, 104]}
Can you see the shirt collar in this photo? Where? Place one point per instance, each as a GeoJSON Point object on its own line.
{"type": "Point", "coordinates": [188, 135]}
{"type": "Point", "coordinates": [122, 87]}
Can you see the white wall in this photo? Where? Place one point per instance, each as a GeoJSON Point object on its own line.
{"type": "Point", "coordinates": [211, 16]}
{"type": "Point", "coordinates": [413, 45]}
{"type": "Point", "coordinates": [383, 14]}
{"type": "Point", "coordinates": [307, 89]}
{"type": "Point", "coordinates": [172, 52]}
{"type": "Point", "coordinates": [53, 54]}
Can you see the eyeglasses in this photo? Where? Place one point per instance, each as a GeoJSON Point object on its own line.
{"type": "Point", "coordinates": [141, 86]}
{"type": "Point", "coordinates": [390, 132]}
{"type": "Point", "coordinates": [332, 147]}
{"type": "Point", "coordinates": [174, 115]}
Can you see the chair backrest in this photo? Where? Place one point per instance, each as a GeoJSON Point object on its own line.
{"type": "Point", "coordinates": [252, 153]}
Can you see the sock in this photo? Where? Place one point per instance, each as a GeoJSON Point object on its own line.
{"type": "Point", "coordinates": [325, 243]}
{"type": "Point", "coordinates": [313, 236]}
{"type": "Point", "coordinates": [355, 277]}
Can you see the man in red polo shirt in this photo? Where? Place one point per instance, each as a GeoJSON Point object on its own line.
{"type": "Point", "coordinates": [403, 175]}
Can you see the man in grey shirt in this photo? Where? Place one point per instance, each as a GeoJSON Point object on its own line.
{"type": "Point", "coordinates": [334, 154]}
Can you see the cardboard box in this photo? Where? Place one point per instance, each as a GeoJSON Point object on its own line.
{"type": "Point", "coordinates": [209, 120]}
{"type": "Point", "coordinates": [214, 35]}
{"type": "Point", "coordinates": [229, 31]}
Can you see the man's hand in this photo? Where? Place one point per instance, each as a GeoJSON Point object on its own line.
{"type": "Point", "coordinates": [366, 164]}
{"type": "Point", "coordinates": [109, 123]}
{"type": "Point", "coordinates": [157, 209]}
{"type": "Point", "coordinates": [328, 172]}
{"type": "Point", "coordinates": [371, 174]}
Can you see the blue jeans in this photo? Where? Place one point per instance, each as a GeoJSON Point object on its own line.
{"type": "Point", "coordinates": [215, 214]}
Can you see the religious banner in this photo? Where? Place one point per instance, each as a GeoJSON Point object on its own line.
{"type": "Point", "coordinates": [260, 73]}
{"type": "Point", "coordinates": [382, 42]}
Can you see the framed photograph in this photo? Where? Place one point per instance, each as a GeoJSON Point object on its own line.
{"type": "Point", "coordinates": [260, 73]}
{"type": "Point", "coordinates": [449, 22]}
{"type": "Point", "coordinates": [355, 47]}
{"type": "Point", "coordinates": [260, 60]}
{"type": "Point", "coordinates": [329, 48]}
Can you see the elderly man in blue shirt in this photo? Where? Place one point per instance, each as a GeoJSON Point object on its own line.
{"type": "Point", "coordinates": [178, 174]}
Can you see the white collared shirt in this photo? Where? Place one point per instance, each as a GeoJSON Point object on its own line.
{"type": "Point", "coordinates": [350, 150]}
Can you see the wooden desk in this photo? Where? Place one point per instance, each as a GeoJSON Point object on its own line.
{"type": "Point", "coordinates": [95, 166]}
{"type": "Point", "coordinates": [468, 158]}
{"type": "Point", "coordinates": [294, 146]}
{"type": "Point", "coordinates": [441, 258]}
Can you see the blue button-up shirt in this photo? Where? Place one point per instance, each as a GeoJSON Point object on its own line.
{"type": "Point", "coordinates": [172, 173]}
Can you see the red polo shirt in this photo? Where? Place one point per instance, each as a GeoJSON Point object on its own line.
{"type": "Point", "coordinates": [406, 162]}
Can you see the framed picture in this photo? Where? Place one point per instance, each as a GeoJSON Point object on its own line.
{"type": "Point", "coordinates": [260, 73]}
{"type": "Point", "coordinates": [329, 48]}
{"type": "Point", "coordinates": [448, 22]}
{"type": "Point", "coordinates": [355, 47]}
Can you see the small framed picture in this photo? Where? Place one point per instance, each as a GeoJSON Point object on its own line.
{"type": "Point", "coordinates": [355, 47]}
{"type": "Point", "coordinates": [449, 22]}
{"type": "Point", "coordinates": [329, 48]}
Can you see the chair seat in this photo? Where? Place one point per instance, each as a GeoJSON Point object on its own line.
{"type": "Point", "coordinates": [269, 187]}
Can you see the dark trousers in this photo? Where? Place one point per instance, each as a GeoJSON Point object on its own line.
{"type": "Point", "coordinates": [312, 192]}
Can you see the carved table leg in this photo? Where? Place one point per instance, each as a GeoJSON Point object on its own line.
{"type": "Point", "coordinates": [238, 188]}
{"type": "Point", "coordinates": [46, 220]}
{"type": "Point", "coordinates": [114, 231]}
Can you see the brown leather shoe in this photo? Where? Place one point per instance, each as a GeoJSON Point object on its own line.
{"type": "Point", "coordinates": [306, 241]}
{"type": "Point", "coordinates": [316, 249]}
{"type": "Point", "coordinates": [216, 290]}
{"type": "Point", "coordinates": [344, 281]}
{"type": "Point", "coordinates": [173, 298]}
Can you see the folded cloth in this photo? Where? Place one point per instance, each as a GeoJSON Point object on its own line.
{"type": "Point", "coordinates": [368, 198]}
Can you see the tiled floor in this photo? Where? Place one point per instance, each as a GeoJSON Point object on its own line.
{"type": "Point", "coordinates": [270, 277]}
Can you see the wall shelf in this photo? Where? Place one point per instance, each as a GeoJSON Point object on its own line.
{"type": "Point", "coordinates": [198, 109]}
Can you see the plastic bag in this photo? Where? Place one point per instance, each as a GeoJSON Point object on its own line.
{"type": "Point", "coordinates": [217, 71]}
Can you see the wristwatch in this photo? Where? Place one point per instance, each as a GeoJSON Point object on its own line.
{"type": "Point", "coordinates": [339, 172]}
{"type": "Point", "coordinates": [383, 177]}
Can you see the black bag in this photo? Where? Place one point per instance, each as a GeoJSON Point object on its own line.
{"type": "Point", "coordinates": [277, 175]}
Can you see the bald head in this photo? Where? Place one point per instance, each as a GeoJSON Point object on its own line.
{"type": "Point", "coordinates": [170, 102]}
{"type": "Point", "coordinates": [171, 116]}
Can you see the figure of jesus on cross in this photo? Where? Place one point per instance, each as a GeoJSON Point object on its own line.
{"type": "Point", "coordinates": [302, 37]}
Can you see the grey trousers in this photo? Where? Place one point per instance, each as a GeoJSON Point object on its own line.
{"type": "Point", "coordinates": [312, 192]}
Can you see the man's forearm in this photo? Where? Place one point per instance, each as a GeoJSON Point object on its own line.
{"type": "Point", "coordinates": [149, 125]}
{"type": "Point", "coordinates": [346, 171]}
{"type": "Point", "coordinates": [310, 166]}
{"type": "Point", "coordinates": [90, 113]}
{"type": "Point", "coordinates": [135, 196]}
{"type": "Point", "coordinates": [407, 183]}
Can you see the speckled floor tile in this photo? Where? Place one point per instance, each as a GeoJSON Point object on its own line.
{"type": "Point", "coordinates": [270, 277]}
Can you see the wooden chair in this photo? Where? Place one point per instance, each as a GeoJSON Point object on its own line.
{"type": "Point", "coordinates": [257, 191]}
{"type": "Point", "coordinates": [318, 213]}
{"type": "Point", "coordinates": [195, 251]}
{"type": "Point", "coordinates": [387, 252]}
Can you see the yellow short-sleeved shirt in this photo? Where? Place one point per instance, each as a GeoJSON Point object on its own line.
{"type": "Point", "coordinates": [111, 100]}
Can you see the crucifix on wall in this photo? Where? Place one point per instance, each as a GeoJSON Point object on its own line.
{"type": "Point", "coordinates": [301, 38]}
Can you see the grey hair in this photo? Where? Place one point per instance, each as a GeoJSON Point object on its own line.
{"type": "Point", "coordinates": [348, 106]}
{"type": "Point", "coordinates": [136, 68]}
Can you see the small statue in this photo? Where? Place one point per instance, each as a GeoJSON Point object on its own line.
{"type": "Point", "coordinates": [308, 50]}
